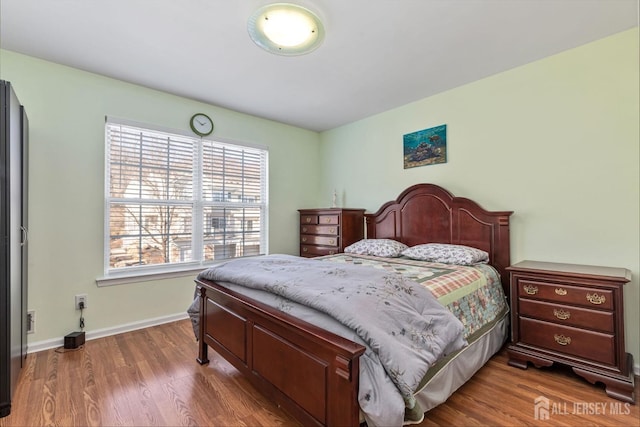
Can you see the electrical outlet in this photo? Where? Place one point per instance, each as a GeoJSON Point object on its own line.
{"type": "Point", "coordinates": [31, 321]}
{"type": "Point", "coordinates": [81, 298]}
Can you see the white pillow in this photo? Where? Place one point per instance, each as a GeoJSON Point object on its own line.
{"type": "Point", "coordinates": [447, 254]}
{"type": "Point", "coordinates": [377, 247]}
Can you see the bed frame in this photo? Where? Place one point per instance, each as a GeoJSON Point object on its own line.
{"type": "Point", "coordinates": [427, 213]}
{"type": "Point", "coordinates": [314, 374]}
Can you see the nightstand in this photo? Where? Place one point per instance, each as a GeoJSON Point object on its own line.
{"type": "Point", "coordinates": [328, 231]}
{"type": "Point", "coordinates": [574, 315]}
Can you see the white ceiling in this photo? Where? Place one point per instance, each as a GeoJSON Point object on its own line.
{"type": "Point", "coordinates": [377, 54]}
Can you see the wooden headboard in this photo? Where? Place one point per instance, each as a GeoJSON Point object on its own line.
{"type": "Point", "coordinates": [427, 213]}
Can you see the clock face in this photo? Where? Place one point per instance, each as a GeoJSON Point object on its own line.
{"type": "Point", "coordinates": [201, 124]}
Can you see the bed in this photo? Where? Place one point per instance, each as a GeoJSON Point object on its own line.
{"type": "Point", "coordinates": [314, 371]}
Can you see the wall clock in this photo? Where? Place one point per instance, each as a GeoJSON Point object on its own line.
{"type": "Point", "coordinates": [201, 124]}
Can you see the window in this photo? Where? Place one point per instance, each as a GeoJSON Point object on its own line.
{"type": "Point", "coordinates": [175, 200]}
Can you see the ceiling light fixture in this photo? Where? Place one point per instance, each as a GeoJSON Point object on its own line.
{"type": "Point", "coordinates": [286, 29]}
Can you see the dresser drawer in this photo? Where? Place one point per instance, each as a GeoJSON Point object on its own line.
{"type": "Point", "coordinates": [312, 251]}
{"type": "Point", "coordinates": [586, 297]}
{"type": "Point", "coordinates": [310, 239]}
{"type": "Point", "coordinates": [308, 219]}
{"type": "Point", "coordinates": [596, 346]}
{"type": "Point", "coordinates": [320, 219]}
{"type": "Point", "coordinates": [567, 315]}
{"type": "Point", "coordinates": [319, 229]}
{"type": "Point", "coordinates": [328, 219]}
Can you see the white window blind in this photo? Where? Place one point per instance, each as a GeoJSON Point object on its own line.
{"type": "Point", "coordinates": [173, 199]}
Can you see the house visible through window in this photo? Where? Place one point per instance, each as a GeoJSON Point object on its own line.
{"type": "Point", "coordinates": [173, 199]}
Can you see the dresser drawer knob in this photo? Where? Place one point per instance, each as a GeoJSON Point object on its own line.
{"type": "Point", "coordinates": [304, 229]}
{"type": "Point", "coordinates": [332, 241]}
{"type": "Point", "coordinates": [332, 230]}
{"type": "Point", "coordinates": [304, 249]}
{"type": "Point", "coordinates": [561, 314]}
{"type": "Point", "coordinates": [561, 291]}
{"type": "Point", "coordinates": [304, 239]}
{"type": "Point", "coordinates": [332, 253]}
{"type": "Point", "coordinates": [596, 299]}
{"type": "Point", "coordinates": [530, 289]}
{"type": "Point", "coordinates": [308, 219]}
{"type": "Point", "coordinates": [562, 340]}
{"type": "Point", "coordinates": [328, 220]}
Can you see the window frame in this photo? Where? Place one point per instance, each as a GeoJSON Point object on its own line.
{"type": "Point", "coordinates": [113, 276]}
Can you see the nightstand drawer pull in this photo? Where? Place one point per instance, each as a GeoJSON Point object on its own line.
{"type": "Point", "coordinates": [561, 314]}
{"type": "Point", "coordinates": [596, 299]}
{"type": "Point", "coordinates": [530, 289]}
{"type": "Point", "coordinates": [561, 291]}
{"type": "Point", "coordinates": [562, 340]}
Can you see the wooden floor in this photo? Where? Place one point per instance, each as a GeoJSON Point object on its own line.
{"type": "Point", "coordinates": [150, 377]}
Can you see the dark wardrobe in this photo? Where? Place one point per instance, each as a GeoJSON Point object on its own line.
{"type": "Point", "coordinates": [13, 242]}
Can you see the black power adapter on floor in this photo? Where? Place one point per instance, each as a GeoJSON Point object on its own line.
{"type": "Point", "coordinates": [74, 340]}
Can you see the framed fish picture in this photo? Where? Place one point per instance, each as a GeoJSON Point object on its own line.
{"type": "Point", "coordinates": [425, 147]}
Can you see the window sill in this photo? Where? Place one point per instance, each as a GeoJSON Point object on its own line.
{"type": "Point", "coordinates": [136, 277]}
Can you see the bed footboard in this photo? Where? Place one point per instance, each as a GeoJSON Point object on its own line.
{"type": "Point", "coordinates": [311, 373]}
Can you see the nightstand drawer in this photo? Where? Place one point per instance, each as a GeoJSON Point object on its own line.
{"type": "Point", "coordinates": [313, 251]}
{"type": "Point", "coordinates": [586, 297]}
{"type": "Point", "coordinates": [319, 229]}
{"type": "Point", "coordinates": [319, 240]}
{"type": "Point", "coordinates": [590, 345]}
{"type": "Point", "coordinates": [567, 315]}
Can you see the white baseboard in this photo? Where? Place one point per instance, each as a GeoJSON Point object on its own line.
{"type": "Point", "coordinates": [100, 333]}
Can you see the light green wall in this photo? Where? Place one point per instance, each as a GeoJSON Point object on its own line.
{"type": "Point", "coordinates": [556, 141]}
{"type": "Point", "coordinates": [66, 109]}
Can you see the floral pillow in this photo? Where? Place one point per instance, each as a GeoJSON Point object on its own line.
{"type": "Point", "coordinates": [377, 247]}
{"type": "Point", "coordinates": [447, 254]}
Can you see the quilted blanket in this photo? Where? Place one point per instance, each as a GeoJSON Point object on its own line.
{"type": "Point", "coordinates": [404, 328]}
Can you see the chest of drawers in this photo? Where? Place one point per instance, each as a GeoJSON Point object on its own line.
{"type": "Point", "coordinates": [328, 231]}
{"type": "Point", "coordinates": [574, 315]}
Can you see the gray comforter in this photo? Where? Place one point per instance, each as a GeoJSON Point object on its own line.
{"type": "Point", "coordinates": [403, 327]}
